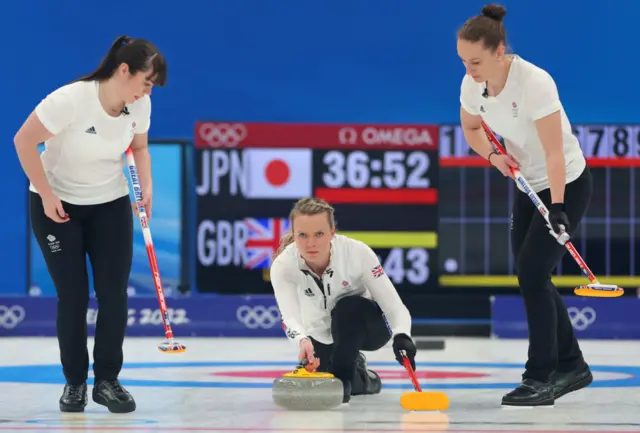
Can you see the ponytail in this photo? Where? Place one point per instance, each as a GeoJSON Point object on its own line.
{"type": "Point", "coordinates": [285, 241]}
{"type": "Point", "coordinates": [110, 62]}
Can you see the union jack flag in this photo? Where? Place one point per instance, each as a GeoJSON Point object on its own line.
{"type": "Point", "coordinates": [377, 271]}
{"type": "Point", "coordinates": [263, 240]}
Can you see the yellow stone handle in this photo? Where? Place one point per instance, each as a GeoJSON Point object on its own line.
{"type": "Point", "coordinates": [302, 373]}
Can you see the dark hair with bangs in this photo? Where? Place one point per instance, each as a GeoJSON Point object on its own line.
{"type": "Point", "coordinates": [138, 54]}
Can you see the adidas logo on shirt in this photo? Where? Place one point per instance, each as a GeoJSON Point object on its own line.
{"type": "Point", "coordinates": [309, 292]}
{"type": "Point", "coordinates": [91, 130]}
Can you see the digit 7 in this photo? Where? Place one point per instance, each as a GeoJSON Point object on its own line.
{"type": "Point", "coordinates": [599, 134]}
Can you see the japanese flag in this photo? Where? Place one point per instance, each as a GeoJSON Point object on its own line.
{"type": "Point", "coordinates": [278, 173]}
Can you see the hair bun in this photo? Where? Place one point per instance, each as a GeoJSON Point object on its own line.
{"type": "Point", "coordinates": [495, 12]}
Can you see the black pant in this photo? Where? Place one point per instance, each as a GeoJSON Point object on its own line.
{"type": "Point", "coordinates": [104, 232]}
{"type": "Point", "coordinates": [357, 324]}
{"type": "Point", "coordinates": [552, 342]}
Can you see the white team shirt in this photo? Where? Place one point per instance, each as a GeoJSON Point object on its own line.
{"type": "Point", "coordinates": [354, 270]}
{"type": "Point", "coordinates": [530, 94]}
{"type": "Point", "coordinates": [84, 159]}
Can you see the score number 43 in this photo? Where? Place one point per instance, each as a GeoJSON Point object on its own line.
{"type": "Point", "coordinates": [406, 265]}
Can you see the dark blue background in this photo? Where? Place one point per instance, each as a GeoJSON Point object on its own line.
{"type": "Point", "coordinates": [344, 61]}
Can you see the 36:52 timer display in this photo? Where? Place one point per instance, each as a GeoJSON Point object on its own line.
{"type": "Point", "coordinates": [389, 169]}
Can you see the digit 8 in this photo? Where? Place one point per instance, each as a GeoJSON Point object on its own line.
{"type": "Point", "coordinates": [621, 142]}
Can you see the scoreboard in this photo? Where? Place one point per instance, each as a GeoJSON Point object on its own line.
{"type": "Point", "coordinates": [436, 214]}
{"type": "Point", "coordinates": [597, 141]}
{"type": "Point", "coordinates": [475, 209]}
{"type": "Point", "coordinates": [381, 179]}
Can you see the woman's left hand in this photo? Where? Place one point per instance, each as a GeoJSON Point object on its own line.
{"type": "Point", "coordinates": [147, 197]}
{"type": "Point", "coordinates": [404, 343]}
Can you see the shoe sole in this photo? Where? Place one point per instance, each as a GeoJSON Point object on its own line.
{"type": "Point", "coordinates": [116, 408]}
{"type": "Point", "coordinates": [73, 409]}
{"type": "Point", "coordinates": [576, 386]}
{"type": "Point", "coordinates": [548, 403]}
{"type": "Point", "coordinates": [527, 406]}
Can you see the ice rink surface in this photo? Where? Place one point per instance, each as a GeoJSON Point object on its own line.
{"type": "Point", "coordinates": [224, 385]}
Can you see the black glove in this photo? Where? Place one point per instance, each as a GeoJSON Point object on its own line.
{"type": "Point", "coordinates": [402, 342]}
{"type": "Point", "coordinates": [558, 218]}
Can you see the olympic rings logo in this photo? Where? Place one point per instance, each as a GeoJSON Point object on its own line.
{"type": "Point", "coordinates": [222, 134]}
{"type": "Point", "coordinates": [258, 316]}
{"type": "Point", "coordinates": [581, 319]}
{"type": "Point", "coordinates": [10, 317]}
{"type": "Point", "coordinates": [348, 135]}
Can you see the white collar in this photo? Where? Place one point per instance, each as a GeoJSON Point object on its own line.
{"type": "Point", "coordinates": [515, 59]}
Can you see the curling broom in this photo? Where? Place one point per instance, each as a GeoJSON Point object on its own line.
{"type": "Point", "coordinates": [421, 400]}
{"type": "Point", "coordinates": [170, 345]}
{"type": "Point", "coordinates": [594, 288]}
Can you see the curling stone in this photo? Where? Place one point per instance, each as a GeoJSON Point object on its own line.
{"type": "Point", "coordinates": [304, 390]}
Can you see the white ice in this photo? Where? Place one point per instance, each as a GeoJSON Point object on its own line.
{"type": "Point", "coordinates": [33, 407]}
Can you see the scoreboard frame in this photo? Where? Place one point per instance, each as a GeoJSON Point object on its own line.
{"type": "Point", "coordinates": [369, 173]}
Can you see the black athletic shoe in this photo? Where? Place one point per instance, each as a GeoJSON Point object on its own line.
{"type": "Point", "coordinates": [530, 393]}
{"type": "Point", "coordinates": [346, 387]}
{"type": "Point", "coordinates": [374, 385]}
{"type": "Point", "coordinates": [564, 383]}
{"type": "Point", "coordinates": [74, 398]}
{"type": "Point", "coordinates": [361, 361]}
{"type": "Point", "coordinates": [111, 394]}
{"type": "Point", "coordinates": [368, 381]}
